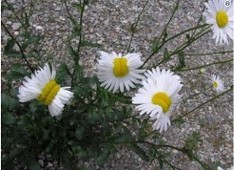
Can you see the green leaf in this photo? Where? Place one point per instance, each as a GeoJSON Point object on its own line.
{"type": "Point", "coordinates": [181, 60]}
{"type": "Point", "coordinates": [9, 46]}
{"type": "Point", "coordinates": [160, 163]}
{"type": "Point", "coordinates": [155, 45]}
{"type": "Point", "coordinates": [79, 132]}
{"type": "Point", "coordinates": [77, 6]}
{"type": "Point", "coordinates": [8, 119]}
{"type": "Point", "coordinates": [126, 136]}
{"type": "Point", "coordinates": [9, 166]}
{"type": "Point", "coordinates": [9, 49]}
{"type": "Point", "coordinates": [165, 53]}
{"type": "Point", "coordinates": [139, 151]}
{"type": "Point", "coordinates": [33, 165]}
{"type": "Point", "coordinates": [36, 106]}
{"type": "Point", "coordinates": [76, 27]}
{"type": "Point", "coordinates": [73, 52]}
{"type": "Point", "coordinates": [62, 73]}
{"type": "Point", "coordinates": [191, 143]}
{"type": "Point", "coordinates": [31, 40]}
{"type": "Point", "coordinates": [16, 72]}
{"type": "Point", "coordinates": [105, 153]}
{"type": "Point", "coordinates": [9, 102]}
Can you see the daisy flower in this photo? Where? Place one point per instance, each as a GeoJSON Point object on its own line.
{"type": "Point", "coordinates": [117, 72]}
{"type": "Point", "coordinates": [158, 97]}
{"type": "Point", "coordinates": [217, 83]}
{"type": "Point", "coordinates": [221, 17]}
{"type": "Point", "coordinates": [43, 87]}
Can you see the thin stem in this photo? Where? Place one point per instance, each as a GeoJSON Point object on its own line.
{"type": "Point", "coordinates": [187, 43]}
{"type": "Point", "coordinates": [183, 150]}
{"type": "Point", "coordinates": [202, 104]}
{"type": "Point", "coordinates": [81, 28]}
{"type": "Point", "coordinates": [177, 35]}
{"type": "Point", "coordinates": [163, 33]}
{"type": "Point", "coordinates": [182, 47]}
{"type": "Point", "coordinates": [210, 53]}
{"type": "Point", "coordinates": [18, 44]}
{"type": "Point", "coordinates": [192, 96]}
{"type": "Point", "coordinates": [76, 59]}
{"type": "Point", "coordinates": [207, 65]}
{"type": "Point", "coordinates": [14, 13]}
{"type": "Point", "coordinates": [134, 25]}
{"type": "Point", "coordinates": [181, 33]}
{"type": "Point", "coordinates": [168, 22]}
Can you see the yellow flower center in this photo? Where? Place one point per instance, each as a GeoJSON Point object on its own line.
{"type": "Point", "coordinates": [215, 84]}
{"type": "Point", "coordinates": [163, 100]}
{"type": "Point", "coordinates": [48, 92]}
{"type": "Point", "coordinates": [221, 18]}
{"type": "Point", "coordinates": [120, 67]}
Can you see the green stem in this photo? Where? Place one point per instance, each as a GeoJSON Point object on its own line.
{"type": "Point", "coordinates": [211, 53]}
{"type": "Point", "coordinates": [182, 47]}
{"type": "Point", "coordinates": [162, 34]}
{"type": "Point", "coordinates": [168, 22]}
{"type": "Point", "coordinates": [134, 25]}
{"type": "Point", "coordinates": [20, 47]}
{"type": "Point", "coordinates": [183, 32]}
{"type": "Point", "coordinates": [76, 59]}
{"type": "Point", "coordinates": [202, 104]}
{"type": "Point", "coordinates": [192, 96]}
{"type": "Point", "coordinates": [175, 36]}
{"type": "Point", "coordinates": [207, 65]}
{"type": "Point", "coordinates": [178, 149]}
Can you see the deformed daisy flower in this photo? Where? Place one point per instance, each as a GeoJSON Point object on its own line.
{"type": "Point", "coordinates": [43, 87]}
{"type": "Point", "coordinates": [158, 97]}
{"type": "Point", "coordinates": [221, 17]}
{"type": "Point", "coordinates": [217, 83]}
{"type": "Point", "coordinates": [117, 72]}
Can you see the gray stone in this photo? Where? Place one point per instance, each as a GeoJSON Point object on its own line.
{"type": "Point", "coordinates": [16, 26]}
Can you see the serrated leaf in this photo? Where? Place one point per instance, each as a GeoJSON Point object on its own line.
{"type": "Point", "coordinates": [181, 60]}
{"type": "Point", "coordinates": [165, 53]}
{"type": "Point", "coordinates": [9, 46]}
{"type": "Point", "coordinates": [155, 45]}
{"type": "Point", "coordinates": [105, 153]}
{"type": "Point", "coordinates": [33, 165]}
{"type": "Point", "coordinates": [73, 53]}
{"type": "Point", "coordinates": [9, 49]}
{"type": "Point", "coordinates": [31, 40]}
{"type": "Point", "coordinates": [139, 151]}
{"type": "Point", "coordinates": [8, 119]}
{"type": "Point", "coordinates": [62, 73]}
{"type": "Point", "coordinates": [8, 102]}
{"type": "Point", "coordinates": [16, 72]}
{"type": "Point", "coordinates": [77, 6]}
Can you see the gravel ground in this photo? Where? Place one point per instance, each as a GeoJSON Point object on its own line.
{"type": "Point", "coordinates": [108, 23]}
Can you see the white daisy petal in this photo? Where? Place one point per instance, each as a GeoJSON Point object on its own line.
{"type": "Point", "coordinates": [217, 83]}
{"type": "Point", "coordinates": [158, 97]}
{"type": "Point", "coordinates": [43, 87]}
{"type": "Point", "coordinates": [117, 72]}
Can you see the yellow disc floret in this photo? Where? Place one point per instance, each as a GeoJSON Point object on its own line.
{"type": "Point", "coordinates": [120, 67]}
{"type": "Point", "coordinates": [48, 92]}
{"type": "Point", "coordinates": [221, 18]}
{"type": "Point", "coordinates": [215, 84]}
{"type": "Point", "coordinates": [163, 100]}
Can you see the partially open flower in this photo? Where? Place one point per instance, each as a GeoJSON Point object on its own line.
{"type": "Point", "coordinates": [44, 88]}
